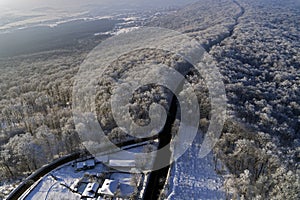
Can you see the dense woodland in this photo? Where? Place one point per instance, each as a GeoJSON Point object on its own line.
{"type": "Point", "coordinates": [36, 123]}
{"type": "Point", "coordinates": [255, 45]}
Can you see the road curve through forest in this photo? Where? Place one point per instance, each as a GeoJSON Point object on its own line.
{"type": "Point", "coordinates": [223, 37]}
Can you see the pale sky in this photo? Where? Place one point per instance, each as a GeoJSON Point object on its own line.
{"type": "Point", "coordinates": [29, 4]}
{"type": "Point", "coordinates": [51, 3]}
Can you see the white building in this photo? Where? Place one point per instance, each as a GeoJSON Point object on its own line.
{"type": "Point", "coordinates": [87, 164]}
{"type": "Point", "coordinates": [109, 187]}
{"type": "Point", "coordinates": [122, 163]}
{"type": "Point", "coordinates": [90, 190]}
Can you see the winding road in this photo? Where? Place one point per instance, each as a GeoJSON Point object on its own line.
{"type": "Point", "coordinates": [223, 37]}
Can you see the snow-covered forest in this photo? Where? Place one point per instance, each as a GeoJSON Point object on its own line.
{"type": "Point", "coordinates": [255, 45]}
{"type": "Point", "coordinates": [36, 118]}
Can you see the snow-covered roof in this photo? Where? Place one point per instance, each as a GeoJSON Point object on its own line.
{"type": "Point", "coordinates": [103, 159]}
{"type": "Point", "coordinates": [90, 163]}
{"type": "Point", "coordinates": [85, 164]}
{"type": "Point", "coordinates": [74, 185]}
{"type": "Point", "coordinates": [122, 163]}
{"type": "Point", "coordinates": [90, 190]}
{"type": "Point", "coordinates": [109, 187]}
{"type": "Point", "coordinates": [79, 165]}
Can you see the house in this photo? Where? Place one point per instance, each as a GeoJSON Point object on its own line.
{"type": "Point", "coordinates": [87, 164]}
{"type": "Point", "coordinates": [109, 187]}
{"type": "Point", "coordinates": [75, 185]}
{"type": "Point", "coordinates": [90, 163]}
{"type": "Point", "coordinates": [102, 159]}
{"type": "Point", "coordinates": [122, 163]}
{"type": "Point", "coordinates": [90, 190]}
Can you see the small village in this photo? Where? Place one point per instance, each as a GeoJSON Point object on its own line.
{"type": "Point", "coordinates": [111, 176]}
{"type": "Point", "coordinates": [109, 184]}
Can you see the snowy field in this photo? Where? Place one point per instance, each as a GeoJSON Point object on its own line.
{"type": "Point", "coordinates": [195, 177]}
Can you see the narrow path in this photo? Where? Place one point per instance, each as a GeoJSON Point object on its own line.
{"type": "Point", "coordinates": [47, 194]}
{"type": "Point", "coordinates": [231, 28]}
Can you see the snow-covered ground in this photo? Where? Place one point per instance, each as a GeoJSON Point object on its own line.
{"type": "Point", "coordinates": [31, 19]}
{"type": "Point", "coordinates": [129, 23]}
{"type": "Point", "coordinates": [192, 177]}
{"type": "Point", "coordinates": [49, 188]}
{"type": "Point", "coordinates": [51, 18]}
